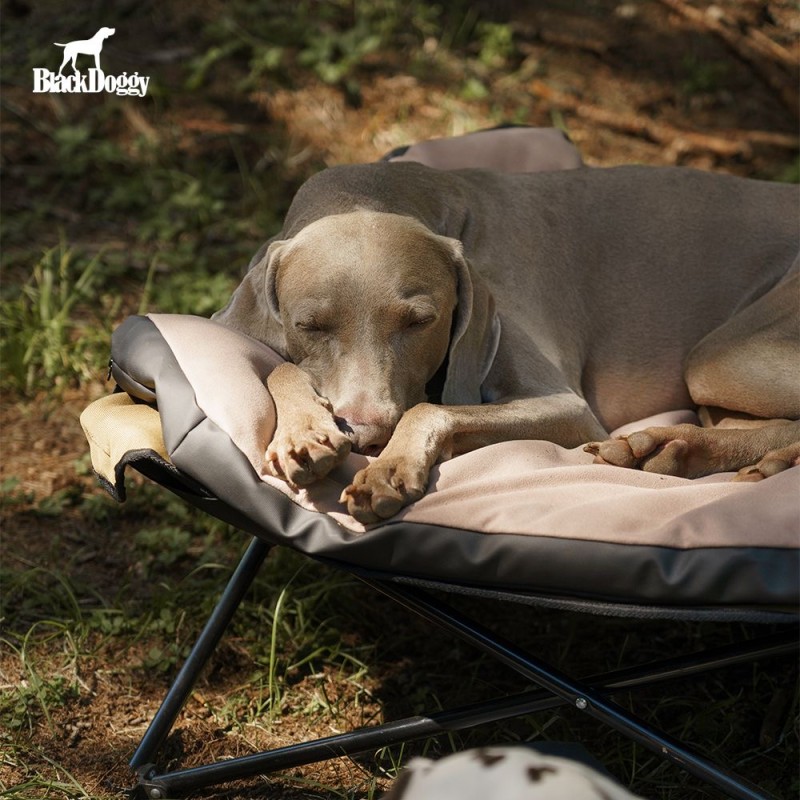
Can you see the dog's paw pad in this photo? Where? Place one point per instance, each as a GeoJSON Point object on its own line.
{"type": "Point", "coordinates": [750, 474]}
{"type": "Point", "coordinates": [359, 504]}
{"type": "Point", "coordinates": [382, 489]}
{"type": "Point", "coordinates": [305, 455]}
{"type": "Point", "coordinates": [672, 451]}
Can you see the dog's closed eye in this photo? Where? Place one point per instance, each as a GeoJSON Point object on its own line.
{"type": "Point", "coordinates": [311, 326]}
{"type": "Point", "coordinates": [417, 316]}
{"type": "Point", "coordinates": [313, 318]}
{"type": "Point", "coordinates": [420, 322]}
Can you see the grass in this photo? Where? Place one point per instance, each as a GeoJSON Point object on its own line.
{"type": "Point", "coordinates": [118, 207]}
{"type": "Point", "coordinates": [44, 339]}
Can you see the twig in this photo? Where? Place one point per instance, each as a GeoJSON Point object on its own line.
{"type": "Point", "coordinates": [730, 144]}
{"type": "Point", "coordinates": [773, 63]}
{"type": "Point", "coordinates": [568, 41]}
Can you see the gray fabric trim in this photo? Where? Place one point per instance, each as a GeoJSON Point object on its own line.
{"type": "Point", "coordinates": [137, 339]}
{"type": "Point", "coordinates": [598, 608]}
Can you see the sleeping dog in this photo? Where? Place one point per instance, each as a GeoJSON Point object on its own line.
{"type": "Point", "coordinates": [428, 312]}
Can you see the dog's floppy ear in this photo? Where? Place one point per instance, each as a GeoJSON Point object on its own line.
{"type": "Point", "coordinates": [269, 265]}
{"type": "Point", "coordinates": [475, 334]}
{"type": "Point", "coordinates": [253, 308]}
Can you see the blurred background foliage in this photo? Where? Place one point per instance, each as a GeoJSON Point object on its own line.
{"type": "Point", "coordinates": [106, 198]}
{"type": "Point", "coordinates": [173, 192]}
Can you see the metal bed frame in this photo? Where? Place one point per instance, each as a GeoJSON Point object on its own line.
{"type": "Point", "coordinates": [592, 695]}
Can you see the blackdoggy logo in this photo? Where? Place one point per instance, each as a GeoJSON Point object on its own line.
{"type": "Point", "coordinates": [95, 80]}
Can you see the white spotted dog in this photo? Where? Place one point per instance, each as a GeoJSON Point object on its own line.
{"type": "Point", "coordinates": [510, 773]}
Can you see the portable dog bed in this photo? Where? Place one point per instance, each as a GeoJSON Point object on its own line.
{"type": "Point", "coordinates": [525, 521]}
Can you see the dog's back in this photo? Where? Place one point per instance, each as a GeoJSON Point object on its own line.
{"type": "Point", "coordinates": [629, 268]}
{"type": "Point", "coordinates": [642, 239]}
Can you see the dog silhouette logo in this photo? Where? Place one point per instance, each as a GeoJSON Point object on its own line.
{"type": "Point", "coordinates": [93, 80]}
{"type": "Point", "coordinates": [89, 47]}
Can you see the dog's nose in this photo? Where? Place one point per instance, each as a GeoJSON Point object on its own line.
{"type": "Point", "coordinates": [367, 439]}
{"type": "Point", "coordinates": [370, 440]}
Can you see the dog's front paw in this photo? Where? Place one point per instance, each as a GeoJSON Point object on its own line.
{"type": "Point", "coordinates": [380, 490]}
{"type": "Point", "coordinates": [678, 450]}
{"type": "Point", "coordinates": [772, 463]}
{"type": "Point", "coordinates": [306, 448]}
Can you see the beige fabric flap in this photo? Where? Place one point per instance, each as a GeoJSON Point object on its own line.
{"type": "Point", "coordinates": [116, 426]}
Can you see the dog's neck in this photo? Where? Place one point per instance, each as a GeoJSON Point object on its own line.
{"type": "Point", "coordinates": [434, 388]}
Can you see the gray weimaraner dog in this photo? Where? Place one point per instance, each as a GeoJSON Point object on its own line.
{"type": "Point", "coordinates": [426, 313]}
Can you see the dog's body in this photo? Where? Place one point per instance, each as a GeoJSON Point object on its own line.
{"type": "Point", "coordinates": [88, 47]}
{"type": "Point", "coordinates": [553, 306]}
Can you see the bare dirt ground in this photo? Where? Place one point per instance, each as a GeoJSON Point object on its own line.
{"type": "Point", "coordinates": [635, 82]}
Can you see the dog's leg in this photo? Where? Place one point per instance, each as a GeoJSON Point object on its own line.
{"type": "Point", "coordinates": [428, 433]}
{"type": "Point", "coordinates": [751, 365]}
{"type": "Point", "coordinates": [307, 443]}
{"type": "Point", "coordinates": [689, 451]}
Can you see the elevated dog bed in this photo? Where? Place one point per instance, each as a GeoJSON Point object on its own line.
{"type": "Point", "coordinates": [509, 517]}
{"type": "Point", "coordinates": [526, 521]}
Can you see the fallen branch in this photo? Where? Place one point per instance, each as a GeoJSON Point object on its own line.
{"type": "Point", "coordinates": [717, 21]}
{"type": "Point", "coordinates": [777, 51]}
{"type": "Point", "coordinates": [546, 34]}
{"type": "Point", "coordinates": [570, 42]}
{"type": "Point", "coordinates": [773, 63]}
{"type": "Point", "coordinates": [730, 144]}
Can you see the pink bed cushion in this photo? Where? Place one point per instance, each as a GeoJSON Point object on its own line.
{"type": "Point", "coordinates": [516, 487]}
{"type": "Point", "coordinates": [210, 387]}
{"type": "Point", "coordinates": [512, 149]}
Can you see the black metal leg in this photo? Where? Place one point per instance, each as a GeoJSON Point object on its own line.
{"type": "Point", "coordinates": [578, 694]}
{"type": "Point", "coordinates": [237, 587]}
{"type": "Point", "coordinates": [406, 730]}
{"type": "Point", "coordinates": [589, 695]}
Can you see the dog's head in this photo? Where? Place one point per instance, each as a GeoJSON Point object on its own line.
{"type": "Point", "coordinates": [104, 33]}
{"type": "Point", "coordinates": [371, 306]}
